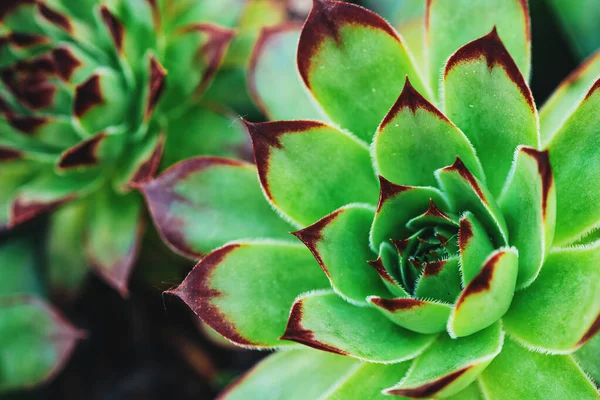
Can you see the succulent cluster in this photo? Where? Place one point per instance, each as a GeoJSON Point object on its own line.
{"type": "Point", "coordinates": [448, 232]}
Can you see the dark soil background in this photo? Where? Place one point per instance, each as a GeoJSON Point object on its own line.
{"type": "Point", "coordinates": [147, 347]}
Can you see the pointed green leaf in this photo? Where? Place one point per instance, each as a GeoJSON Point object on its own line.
{"type": "Point", "coordinates": [487, 97]}
{"type": "Point", "coordinates": [528, 203]}
{"type": "Point", "coordinates": [587, 357]}
{"type": "Point", "coordinates": [423, 316]}
{"type": "Point", "coordinates": [36, 342]}
{"type": "Point", "coordinates": [324, 321]}
{"type": "Point", "coordinates": [471, 19]}
{"type": "Point", "coordinates": [202, 203]}
{"type": "Point", "coordinates": [522, 374]}
{"type": "Point", "coordinates": [273, 65]}
{"type": "Point", "coordinates": [415, 139]}
{"type": "Point", "coordinates": [450, 365]}
{"type": "Point", "coordinates": [432, 218]}
{"type": "Point", "coordinates": [308, 169]}
{"type": "Point", "coordinates": [387, 266]}
{"type": "Point", "coordinates": [91, 154]}
{"type": "Point", "coordinates": [13, 175]}
{"type": "Point", "coordinates": [340, 243]}
{"type": "Point", "coordinates": [575, 162]}
{"type": "Point", "coordinates": [284, 375]}
{"type": "Point", "coordinates": [571, 91]}
{"type": "Point", "coordinates": [143, 161]}
{"type": "Point", "coordinates": [18, 268]}
{"type": "Point", "coordinates": [397, 205]}
{"type": "Point", "coordinates": [488, 296]}
{"type": "Point", "coordinates": [440, 280]}
{"type": "Point", "coordinates": [475, 246]}
{"type": "Point", "coordinates": [354, 63]}
{"type": "Point", "coordinates": [560, 311]}
{"type": "Point", "coordinates": [271, 274]}
{"type": "Point", "coordinates": [113, 236]}
{"type": "Point", "coordinates": [466, 193]}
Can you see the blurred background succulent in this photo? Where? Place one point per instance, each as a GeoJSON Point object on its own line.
{"type": "Point", "coordinates": [448, 232]}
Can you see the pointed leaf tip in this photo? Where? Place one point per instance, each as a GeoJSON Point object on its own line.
{"type": "Point", "coordinates": [388, 190]}
{"type": "Point", "coordinates": [429, 389]}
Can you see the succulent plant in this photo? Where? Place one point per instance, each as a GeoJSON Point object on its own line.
{"type": "Point", "coordinates": [448, 233]}
{"type": "Point", "coordinates": [95, 96]}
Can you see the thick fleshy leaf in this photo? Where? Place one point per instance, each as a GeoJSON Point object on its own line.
{"type": "Point", "coordinates": [387, 266]}
{"type": "Point", "coordinates": [415, 139]}
{"type": "Point", "coordinates": [474, 246]}
{"type": "Point", "coordinates": [440, 281]}
{"type": "Point", "coordinates": [284, 375]}
{"type": "Point", "coordinates": [36, 342]}
{"type": "Point", "coordinates": [114, 235]}
{"type": "Point", "coordinates": [483, 86]}
{"type": "Point", "coordinates": [205, 202]}
{"type": "Point", "coordinates": [397, 205]}
{"type": "Point", "coordinates": [580, 23]}
{"type": "Point", "coordinates": [423, 316]}
{"type": "Point", "coordinates": [471, 19]}
{"type": "Point", "coordinates": [143, 162]}
{"type": "Point", "coordinates": [323, 320]}
{"type": "Point", "coordinates": [354, 63]}
{"type": "Point", "coordinates": [471, 392]}
{"type": "Point", "coordinates": [367, 381]}
{"type": "Point", "coordinates": [488, 296]}
{"type": "Point", "coordinates": [575, 163]}
{"type": "Point", "coordinates": [340, 243]}
{"type": "Point", "coordinates": [273, 78]}
{"type": "Point", "coordinates": [560, 311]}
{"type": "Point", "coordinates": [272, 274]}
{"type": "Point", "coordinates": [92, 153]}
{"type": "Point", "coordinates": [450, 365]}
{"type": "Point", "coordinates": [308, 169]}
{"type": "Point", "coordinates": [571, 91]}
{"type": "Point", "coordinates": [522, 374]}
{"type": "Point", "coordinates": [466, 193]}
{"type": "Point", "coordinates": [14, 173]}
{"type": "Point", "coordinates": [205, 130]}
{"type": "Point", "coordinates": [18, 268]}
{"type": "Point", "coordinates": [528, 203]}
{"type": "Point", "coordinates": [587, 357]}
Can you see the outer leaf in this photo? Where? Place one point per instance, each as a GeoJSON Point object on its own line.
{"type": "Point", "coordinates": [471, 392]}
{"type": "Point", "coordinates": [18, 268]}
{"type": "Point", "coordinates": [202, 203]}
{"type": "Point", "coordinates": [421, 316]}
{"type": "Point", "coordinates": [522, 374]}
{"type": "Point", "coordinates": [488, 296]}
{"type": "Point", "coordinates": [354, 64]}
{"type": "Point", "coordinates": [415, 139]}
{"type": "Point", "coordinates": [36, 342]}
{"type": "Point", "coordinates": [580, 23]}
{"type": "Point", "coordinates": [528, 203]}
{"type": "Point", "coordinates": [483, 86]}
{"type": "Point", "coordinates": [272, 274]}
{"type": "Point", "coordinates": [323, 320]}
{"type": "Point", "coordinates": [450, 365]}
{"type": "Point", "coordinates": [587, 357]}
{"type": "Point", "coordinates": [560, 311]}
{"type": "Point", "coordinates": [466, 193]}
{"type": "Point", "coordinates": [475, 19]}
{"type": "Point", "coordinates": [273, 65]}
{"type": "Point", "coordinates": [397, 205]}
{"type": "Point", "coordinates": [571, 91]}
{"type": "Point", "coordinates": [340, 243]}
{"type": "Point", "coordinates": [13, 174]}
{"type": "Point", "coordinates": [283, 376]}
{"type": "Point", "coordinates": [575, 163]}
{"type": "Point", "coordinates": [308, 169]}
{"type": "Point", "coordinates": [474, 245]}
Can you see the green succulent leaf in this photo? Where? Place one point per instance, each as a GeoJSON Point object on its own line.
{"type": "Point", "coordinates": [387, 266]}
{"type": "Point", "coordinates": [340, 243]}
{"type": "Point", "coordinates": [571, 91]}
{"type": "Point", "coordinates": [475, 246]}
{"type": "Point", "coordinates": [145, 159]}
{"type": "Point", "coordinates": [579, 21]}
{"type": "Point", "coordinates": [415, 139]}
{"type": "Point", "coordinates": [273, 64]}
{"type": "Point", "coordinates": [560, 311]}
{"type": "Point", "coordinates": [18, 268]}
{"type": "Point", "coordinates": [274, 274]}
{"type": "Point", "coordinates": [482, 86]}
{"type": "Point", "coordinates": [337, 170]}
{"type": "Point", "coordinates": [450, 365]}
{"type": "Point", "coordinates": [423, 316]}
{"type": "Point", "coordinates": [440, 280]}
{"type": "Point", "coordinates": [36, 342]}
{"type": "Point", "coordinates": [522, 374]}
{"type": "Point", "coordinates": [283, 375]}
{"type": "Point", "coordinates": [471, 392]}
{"type": "Point", "coordinates": [354, 63]}
{"type": "Point", "coordinates": [323, 320]}
{"type": "Point", "coordinates": [452, 24]}
{"type": "Point", "coordinates": [528, 203]}
{"type": "Point", "coordinates": [488, 296]}
{"type": "Point", "coordinates": [587, 357]}
{"type": "Point", "coordinates": [218, 193]}
{"type": "Point", "coordinates": [575, 163]}
{"type": "Point", "coordinates": [14, 173]}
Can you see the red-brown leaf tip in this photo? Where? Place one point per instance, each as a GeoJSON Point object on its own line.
{"type": "Point", "coordinates": [429, 389]}
{"type": "Point", "coordinates": [464, 172]}
{"type": "Point", "coordinates": [82, 154]}
{"type": "Point", "coordinates": [397, 304]}
{"type": "Point", "coordinates": [542, 158]}
{"type": "Point", "coordinates": [87, 96]}
{"type": "Point", "coordinates": [388, 190]}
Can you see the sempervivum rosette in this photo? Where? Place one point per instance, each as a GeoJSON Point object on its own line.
{"type": "Point", "coordinates": [448, 245]}
{"type": "Point", "coordinates": [89, 93]}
